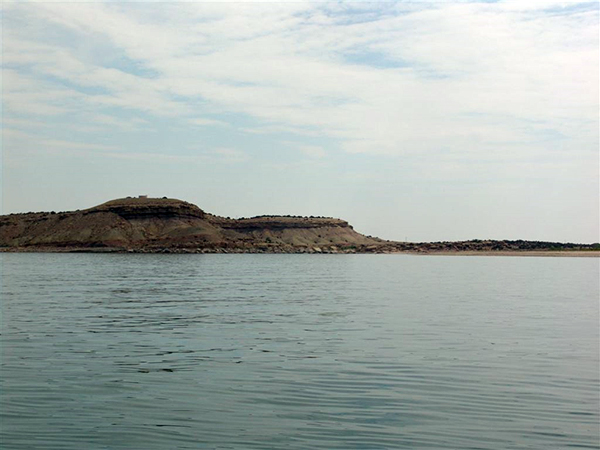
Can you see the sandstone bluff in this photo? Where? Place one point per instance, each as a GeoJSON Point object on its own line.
{"type": "Point", "coordinates": [168, 225]}
{"type": "Point", "coordinates": [157, 225]}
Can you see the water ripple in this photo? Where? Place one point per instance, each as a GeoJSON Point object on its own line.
{"type": "Point", "coordinates": [298, 351]}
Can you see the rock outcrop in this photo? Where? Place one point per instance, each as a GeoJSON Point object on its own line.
{"type": "Point", "coordinates": [162, 224]}
{"type": "Point", "coordinates": [167, 225]}
{"type": "Point", "coordinates": [142, 207]}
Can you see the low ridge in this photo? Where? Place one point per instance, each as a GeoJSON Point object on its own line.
{"type": "Point", "coordinates": [142, 224]}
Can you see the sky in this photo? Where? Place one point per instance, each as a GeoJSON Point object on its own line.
{"type": "Point", "coordinates": [418, 121]}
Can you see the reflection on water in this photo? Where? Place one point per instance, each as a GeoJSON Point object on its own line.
{"type": "Point", "coordinates": [298, 351]}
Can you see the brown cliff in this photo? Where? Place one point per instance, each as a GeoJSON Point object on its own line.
{"type": "Point", "coordinates": [162, 224]}
{"type": "Point", "coordinates": [169, 225]}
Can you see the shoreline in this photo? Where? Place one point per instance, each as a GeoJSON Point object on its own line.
{"type": "Point", "coordinates": [527, 253]}
{"type": "Point", "coordinates": [163, 225]}
{"type": "Point", "coordinates": [237, 251]}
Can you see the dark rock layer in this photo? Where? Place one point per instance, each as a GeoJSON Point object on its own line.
{"type": "Point", "coordinates": [169, 225]}
{"type": "Point", "coordinates": [160, 224]}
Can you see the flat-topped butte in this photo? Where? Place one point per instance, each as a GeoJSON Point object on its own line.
{"type": "Point", "coordinates": [161, 224]}
{"type": "Point", "coordinates": [141, 224]}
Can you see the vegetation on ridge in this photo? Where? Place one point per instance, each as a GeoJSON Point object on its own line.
{"type": "Point", "coordinates": [168, 225]}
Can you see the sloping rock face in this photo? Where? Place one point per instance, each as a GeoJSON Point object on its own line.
{"type": "Point", "coordinates": [161, 224]}
{"type": "Point", "coordinates": [281, 223]}
{"type": "Point", "coordinates": [60, 230]}
{"type": "Point", "coordinates": [170, 225]}
{"type": "Point", "coordinates": [154, 208]}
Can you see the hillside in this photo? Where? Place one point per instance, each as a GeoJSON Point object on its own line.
{"type": "Point", "coordinates": [154, 225]}
{"type": "Point", "coordinates": [162, 224]}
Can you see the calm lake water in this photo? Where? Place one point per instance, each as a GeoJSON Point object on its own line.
{"type": "Point", "coordinates": [298, 352]}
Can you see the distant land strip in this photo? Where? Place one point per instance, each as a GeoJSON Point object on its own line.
{"type": "Point", "coordinates": [163, 225]}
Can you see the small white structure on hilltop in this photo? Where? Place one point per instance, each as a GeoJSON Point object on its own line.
{"type": "Point", "coordinates": [142, 196]}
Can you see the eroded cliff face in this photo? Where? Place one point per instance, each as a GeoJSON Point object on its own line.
{"type": "Point", "coordinates": [149, 208]}
{"type": "Point", "coordinates": [170, 225]}
{"type": "Point", "coordinates": [162, 224]}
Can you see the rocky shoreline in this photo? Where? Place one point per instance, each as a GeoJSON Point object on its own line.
{"type": "Point", "coordinates": [384, 249]}
{"type": "Point", "coordinates": [161, 225]}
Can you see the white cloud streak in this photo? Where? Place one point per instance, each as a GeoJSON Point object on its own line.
{"type": "Point", "coordinates": [500, 95]}
{"type": "Point", "coordinates": [291, 67]}
{"type": "Point", "coordinates": [457, 85]}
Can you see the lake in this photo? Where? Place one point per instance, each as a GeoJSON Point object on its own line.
{"type": "Point", "coordinates": [113, 351]}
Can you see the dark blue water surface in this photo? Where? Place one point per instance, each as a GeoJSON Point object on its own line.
{"type": "Point", "coordinates": [103, 351]}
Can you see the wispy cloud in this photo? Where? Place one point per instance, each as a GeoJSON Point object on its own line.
{"type": "Point", "coordinates": [313, 151]}
{"type": "Point", "coordinates": [61, 144]}
{"type": "Point", "coordinates": [440, 89]}
{"type": "Point", "coordinates": [279, 129]}
{"type": "Point", "coordinates": [229, 155]}
{"type": "Point", "coordinates": [284, 67]}
{"type": "Point", "coordinates": [131, 123]}
{"type": "Point", "coordinates": [203, 122]}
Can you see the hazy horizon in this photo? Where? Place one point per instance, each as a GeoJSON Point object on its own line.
{"type": "Point", "coordinates": [424, 121]}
